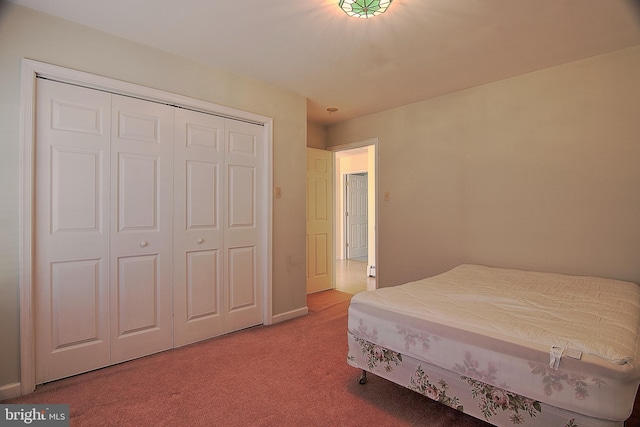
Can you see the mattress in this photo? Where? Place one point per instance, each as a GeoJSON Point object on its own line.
{"type": "Point", "coordinates": [567, 341]}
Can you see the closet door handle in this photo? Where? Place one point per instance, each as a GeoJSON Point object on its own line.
{"type": "Point", "coordinates": [143, 243]}
{"type": "Point", "coordinates": [200, 241]}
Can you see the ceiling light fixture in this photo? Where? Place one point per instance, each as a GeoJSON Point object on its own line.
{"type": "Point", "coordinates": [364, 8]}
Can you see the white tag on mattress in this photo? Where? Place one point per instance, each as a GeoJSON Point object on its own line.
{"type": "Point", "coordinates": [554, 357]}
{"type": "Point", "coordinates": [574, 353]}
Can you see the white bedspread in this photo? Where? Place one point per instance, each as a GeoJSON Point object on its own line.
{"type": "Point", "coordinates": [598, 316]}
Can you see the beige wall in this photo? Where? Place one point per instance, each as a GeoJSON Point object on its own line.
{"type": "Point", "coordinates": [28, 34]}
{"type": "Point", "coordinates": [316, 136]}
{"type": "Point", "coordinates": [540, 172]}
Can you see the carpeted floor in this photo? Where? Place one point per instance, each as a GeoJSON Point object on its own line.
{"type": "Point", "coordinates": [290, 374]}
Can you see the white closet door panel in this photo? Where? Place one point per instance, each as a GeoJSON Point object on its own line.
{"type": "Point", "coordinates": [138, 179]}
{"type": "Point", "coordinates": [242, 278]}
{"type": "Point", "coordinates": [244, 225]}
{"type": "Point", "coordinates": [202, 286]}
{"type": "Point", "coordinates": [242, 197]}
{"type": "Point", "coordinates": [71, 230]}
{"type": "Point", "coordinates": [198, 232]}
{"type": "Point", "coordinates": [141, 228]}
{"type": "Point", "coordinates": [202, 196]}
{"type": "Point", "coordinates": [138, 303]}
{"type": "Point", "coordinates": [71, 302]}
{"type": "Point", "coordinates": [75, 206]}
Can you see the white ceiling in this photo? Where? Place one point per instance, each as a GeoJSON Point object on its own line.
{"type": "Point", "coordinates": [417, 50]}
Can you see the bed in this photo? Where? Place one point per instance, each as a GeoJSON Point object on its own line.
{"type": "Point", "coordinates": [507, 346]}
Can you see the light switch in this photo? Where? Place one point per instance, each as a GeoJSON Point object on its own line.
{"type": "Point", "coordinates": [387, 196]}
{"type": "Point", "coordinates": [277, 192]}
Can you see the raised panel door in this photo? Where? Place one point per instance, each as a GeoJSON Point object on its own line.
{"type": "Point", "coordinates": [319, 220]}
{"type": "Point", "coordinates": [141, 252]}
{"type": "Point", "coordinates": [198, 227]}
{"type": "Point", "coordinates": [244, 225]}
{"type": "Point", "coordinates": [71, 267]}
{"type": "Point", "coordinates": [357, 215]}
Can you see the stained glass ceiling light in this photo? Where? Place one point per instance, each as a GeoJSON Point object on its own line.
{"type": "Point", "coordinates": [364, 8]}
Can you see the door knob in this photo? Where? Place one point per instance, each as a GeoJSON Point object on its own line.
{"type": "Point", "coordinates": [200, 241]}
{"type": "Point", "coordinates": [143, 243]}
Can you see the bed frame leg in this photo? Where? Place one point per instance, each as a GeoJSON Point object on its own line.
{"type": "Point", "coordinates": [363, 378]}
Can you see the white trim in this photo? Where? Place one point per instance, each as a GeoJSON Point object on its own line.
{"type": "Point", "coordinates": [290, 315]}
{"type": "Point", "coordinates": [9, 391]}
{"type": "Point", "coordinates": [267, 296]}
{"type": "Point", "coordinates": [26, 190]}
{"type": "Point", "coordinates": [357, 144]}
{"type": "Point", "coordinates": [106, 84]}
{"type": "Point", "coordinates": [30, 71]}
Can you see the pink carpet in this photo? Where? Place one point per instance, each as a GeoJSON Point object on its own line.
{"type": "Point", "coordinates": [289, 374]}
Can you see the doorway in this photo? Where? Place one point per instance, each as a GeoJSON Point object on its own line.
{"type": "Point", "coordinates": [355, 216]}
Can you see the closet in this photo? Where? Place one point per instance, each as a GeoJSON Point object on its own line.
{"type": "Point", "coordinates": [149, 228]}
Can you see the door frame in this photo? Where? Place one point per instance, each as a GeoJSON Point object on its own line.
{"type": "Point", "coordinates": [350, 146]}
{"type": "Point", "coordinates": [30, 71]}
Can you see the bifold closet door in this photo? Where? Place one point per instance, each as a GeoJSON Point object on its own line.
{"type": "Point", "coordinates": [103, 229]}
{"type": "Point", "coordinates": [148, 218]}
{"type": "Point", "coordinates": [219, 226]}
{"type": "Point", "coordinates": [244, 225]}
{"type": "Point", "coordinates": [71, 250]}
{"type": "Point", "coordinates": [198, 226]}
{"type": "Point", "coordinates": [141, 228]}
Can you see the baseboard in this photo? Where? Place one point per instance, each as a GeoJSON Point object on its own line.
{"type": "Point", "coordinates": [277, 318]}
{"type": "Point", "coordinates": [9, 391]}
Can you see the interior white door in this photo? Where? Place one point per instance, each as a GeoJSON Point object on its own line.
{"type": "Point", "coordinates": [141, 228]}
{"type": "Point", "coordinates": [198, 226]}
{"type": "Point", "coordinates": [71, 259]}
{"type": "Point", "coordinates": [244, 225]}
{"type": "Point", "coordinates": [357, 215]}
{"type": "Point", "coordinates": [319, 220]}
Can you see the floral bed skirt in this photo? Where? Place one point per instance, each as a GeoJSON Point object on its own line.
{"type": "Point", "coordinates": [495, 405]}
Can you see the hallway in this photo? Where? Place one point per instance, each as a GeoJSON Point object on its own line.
{"type": "Point", "coordinates": [351, 276]}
